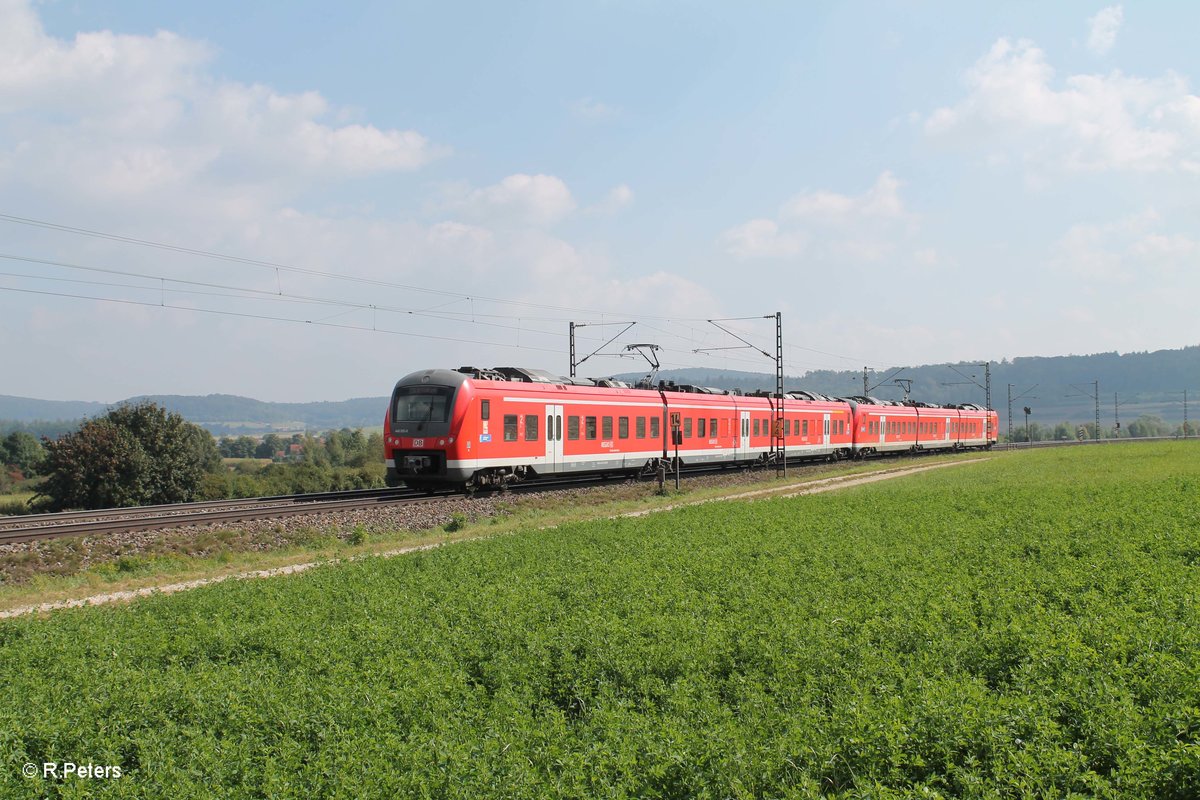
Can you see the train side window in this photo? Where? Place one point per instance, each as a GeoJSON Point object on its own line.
{"type": "Point", "coordinates": [510, 427]}
{"type": "Point", "coordinates": [623, 427]}
{"type": "Point", "coordinates": [572, 428]}
{"type": "Point", "coordinates": [700, 428]}
{"type": "Point", "coordinates": [485, 409]}
{"type": "Point", "coordinates": [804, 427]}
{"type": "Point", "coordinates": [606, 428]}
{"type": "Point", "coordinates": [589, 427]}
{"type": "Point", "coordinates": [531, 427]}
{"type": "Point", "coordinates": [654, 427]}
{"type": "Point", "coordinates": [787, 427]}
{"type": "Point", "coordinates": [712, 427]}
{"type": "Point", "coordinates": [756, 426]}
{"type": "Point", "coordinates": [640, 428]}
{"type": "Point", "coordinates": [687, 428]}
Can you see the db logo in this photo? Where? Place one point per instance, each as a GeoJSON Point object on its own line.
{"type": "Point", "coordinates": [418, 442]}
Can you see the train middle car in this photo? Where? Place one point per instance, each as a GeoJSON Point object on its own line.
{"type": "Point", "coordinates": [479, 427]}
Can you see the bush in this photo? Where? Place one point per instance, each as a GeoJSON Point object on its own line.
{"type": "Point", "coordinates": [133, 455]}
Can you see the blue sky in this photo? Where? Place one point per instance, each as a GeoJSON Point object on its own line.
{"type": "Point", "coordinates": [907, 182]}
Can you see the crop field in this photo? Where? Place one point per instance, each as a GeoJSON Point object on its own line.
{"type": "Point", "coordinates": [1025, 626]}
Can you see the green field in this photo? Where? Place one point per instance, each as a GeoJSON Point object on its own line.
{"type": "Point", "coordinates": [1028, 626]}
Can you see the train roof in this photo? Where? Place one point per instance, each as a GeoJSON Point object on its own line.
{"type": "Point", "coordinates": [455, 377]}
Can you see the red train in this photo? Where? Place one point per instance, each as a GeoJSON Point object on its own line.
{"type": "Point", "coordinates": [479, 427]}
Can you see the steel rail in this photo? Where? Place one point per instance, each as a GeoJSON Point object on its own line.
{"type": "Point", "coordinates": [178, 520]}
{"type": "Point", "coordinates": [168, 508]}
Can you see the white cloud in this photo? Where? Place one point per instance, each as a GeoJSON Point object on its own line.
{"type": "Point", "coordinates": [614, 200]}
{"type": "Point", "coordinates": [827, 225]}
{"type": "Point", "coordinates": [108, 114]}
{"type": "Point", "coordinates": [881, 200]}
{"type": "Point", "coordinates": [1102, 29]}
{"type": "Point", "coordinates": [1013, 110]}
{"type": "Point", "coordinates": [592, 110]}
{"type": "Point", "coordinates": [536, 200]}
{"type": "Point", "coordinates": [1129, 250]}
{"type": "Point", "coordinates": [761, 238]}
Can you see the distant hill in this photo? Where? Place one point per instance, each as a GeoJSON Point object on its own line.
{"type": "Point", "coordinates": [221, 414]}
{"type": "Point", "coordinates": [1147, 383]}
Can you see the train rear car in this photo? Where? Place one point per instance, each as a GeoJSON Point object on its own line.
{"type": "Point", "coordinates": [883, 426]}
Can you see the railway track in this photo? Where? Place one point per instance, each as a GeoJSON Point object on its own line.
{"type": "Point", "coordinates": [140, 518]}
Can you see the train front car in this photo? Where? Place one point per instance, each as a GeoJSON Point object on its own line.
{"type": "Point", "coordinates": [422, 429]}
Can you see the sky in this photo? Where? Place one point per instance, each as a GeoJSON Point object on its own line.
{"type": "Point", "coordinates": [296, 202]}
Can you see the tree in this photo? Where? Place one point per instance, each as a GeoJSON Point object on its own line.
{"type": "Point", "coordinates": [269, 446]}
{"type": "Point", "coordinates": [133, 455]}
{"type": "Point", "coordinates": [1148, 425]}
{"type": "Point", "coordinates": [23, 451]}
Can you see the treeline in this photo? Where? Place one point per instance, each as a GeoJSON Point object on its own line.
{"type": "Point", "coordinates": [1144, 426]}
{"type": "Point", "coordinates": [141, 454]}
{"type": "Point", "coordinates": [345, 447]}
{"type": "Point", "coordinates": [338, 460]}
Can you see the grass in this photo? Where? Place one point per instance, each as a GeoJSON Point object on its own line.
{"type": "Point", "coordinates": [15, 503]}
{"type": "Point", "coordinates": [1022, 627]}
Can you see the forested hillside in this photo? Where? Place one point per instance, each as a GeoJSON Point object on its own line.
{"type": "Point", "coordinates": [1058, 388]}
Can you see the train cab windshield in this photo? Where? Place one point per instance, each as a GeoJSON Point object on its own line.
{"type": "Point", "coordinates": [422, 404]}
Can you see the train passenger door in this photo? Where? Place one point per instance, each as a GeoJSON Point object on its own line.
{"type": "Point", "coordinates": [744, 438]}
{"type": "Point", "coordinates": [825, 437]}
{"type": "Point", "coordinates": [554, 438]}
